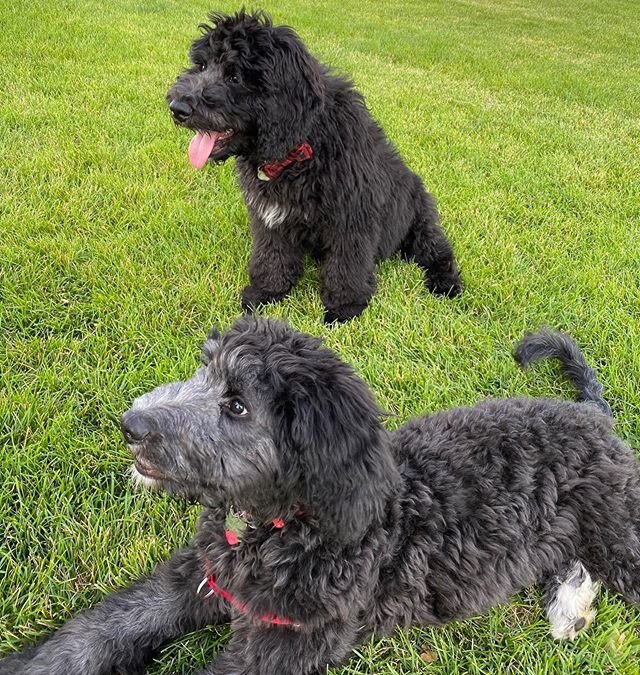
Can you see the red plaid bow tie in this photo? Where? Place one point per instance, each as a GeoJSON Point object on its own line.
{"type": "Point", "coordinates": [271, 170]}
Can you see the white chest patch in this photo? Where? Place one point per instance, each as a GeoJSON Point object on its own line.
{"type": "Point", "coordinates": [270, 213]}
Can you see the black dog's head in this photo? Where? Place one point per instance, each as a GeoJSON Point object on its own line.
{"type": "Point", "coordinates": [271, 421]}
{"type": "Point", "coordinates": [252, 90]}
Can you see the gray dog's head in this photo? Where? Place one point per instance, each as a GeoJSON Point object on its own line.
{"type": "Point", "coordinates": [252, 90]}
{"type": "Point", "coordinates": [271, 421]}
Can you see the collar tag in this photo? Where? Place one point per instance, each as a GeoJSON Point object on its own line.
{"type": "Point", "coordinates": [262, 175]}
{"type": "Point", "coordinates": [235, 525]}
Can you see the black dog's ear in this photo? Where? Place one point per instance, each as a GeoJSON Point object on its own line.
{"type": "Point", "coordinates": [332, 442]}
{"type": "Point", "coordinates": [294, 93]}
{"type": "Point", "coordinates": [210, 346]}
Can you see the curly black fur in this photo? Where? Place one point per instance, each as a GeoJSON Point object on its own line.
{"type": "Point", "coordinates": [355, 202]}
{"type": "Point", "coordinates": [442, 519]}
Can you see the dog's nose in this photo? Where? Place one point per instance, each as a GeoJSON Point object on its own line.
{"type": "Point", "coordinates": [180, 110]}
{"type": "Point", "coordinates": [135, 427]}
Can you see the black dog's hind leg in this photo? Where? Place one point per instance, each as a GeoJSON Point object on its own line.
{"type": "Point", "coordinates": [275, 266]}
{"type": "Point", "coordinates": [428, 246]}
{"type": "Point", "coordinates": [348, 280]}
{"type": "Point", "coordinates": [126, 629]}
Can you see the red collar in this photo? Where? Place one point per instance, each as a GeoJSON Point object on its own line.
{"type": "Point", "coordinates": [232, 537]}
{"type": "Point", "coordinates": [210, 581]}
{"type": "Point", "coordinates": [272, 619]}
{"type": "Point", "coordinates": [271, 170]}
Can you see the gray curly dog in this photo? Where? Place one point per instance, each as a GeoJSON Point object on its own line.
{"type": "Point", "coordinates": [343, 529]}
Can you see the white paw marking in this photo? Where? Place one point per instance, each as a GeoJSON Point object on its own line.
{"type": "Point", "coordinates": [571, 608]}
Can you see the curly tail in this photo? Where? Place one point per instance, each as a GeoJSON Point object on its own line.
{"type": "Point", "coordinates": [548, 343]}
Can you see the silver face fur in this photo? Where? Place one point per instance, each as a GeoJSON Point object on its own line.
{"type": "Point", "coordinates": [211, 435]}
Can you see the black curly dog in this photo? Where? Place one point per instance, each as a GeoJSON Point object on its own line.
{"type": "Point", "coordinates": [317, 172]}
{"type": "Point", "coordinates": [349, 529]}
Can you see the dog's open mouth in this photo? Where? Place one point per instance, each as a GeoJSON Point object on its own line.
{"type": "Point", "coordinates": [206, 143]}
{"type": "Point", "coordinates": [147, 470]}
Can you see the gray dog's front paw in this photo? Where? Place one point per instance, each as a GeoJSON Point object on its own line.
{"type": "Point", "coordinates": [224, 664]}
{"type": "Point", "coordinates": [14, 664]}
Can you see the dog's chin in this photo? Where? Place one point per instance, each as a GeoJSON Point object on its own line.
{"type": "Point", "coordinates": [221, 154]}
{"type": "Point", "coordinates": [145, 475]}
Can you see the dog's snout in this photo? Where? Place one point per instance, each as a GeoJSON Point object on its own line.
{"type": "Point", "coordinates": [135, 427]}
{"type": "Point", "coordinates": [180, 110]}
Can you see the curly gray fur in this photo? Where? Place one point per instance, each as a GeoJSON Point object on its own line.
{"type": "Point", "coordinates": [548, 343]}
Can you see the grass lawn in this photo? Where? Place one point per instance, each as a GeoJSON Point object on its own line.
{"type": "Point", "coordinates": [116, 257]}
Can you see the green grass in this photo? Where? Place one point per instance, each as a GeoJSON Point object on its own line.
{"type": "Point", "coordinates": [116, 257]}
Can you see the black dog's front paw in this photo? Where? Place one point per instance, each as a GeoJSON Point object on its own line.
{"type": "Point", "coordinates": [253, 297]}
{"type": "Point", "coordinates": [448, 285]}
{"type": "Point", "coordinates": [342, 313]}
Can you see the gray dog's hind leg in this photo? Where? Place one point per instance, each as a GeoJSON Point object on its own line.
{"type": "Point", "coordinates": [125, 630]}
{"type": "Point", "coordinates": [569, 599]}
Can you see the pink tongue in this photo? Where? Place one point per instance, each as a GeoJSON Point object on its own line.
{"type": "Point", "coordinates": [201, 146]}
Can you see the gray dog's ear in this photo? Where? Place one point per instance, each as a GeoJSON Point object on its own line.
{"type": "Point", "coordinates": [332, 442]}
{"type": "Point", "coordinates": [294, 93]}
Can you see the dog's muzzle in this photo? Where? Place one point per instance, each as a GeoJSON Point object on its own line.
{"type": "Point", "coordinates": [180, 110]}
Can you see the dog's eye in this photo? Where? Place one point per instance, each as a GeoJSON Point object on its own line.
{"type": "Point", "coordinates": [232, 79]}
{"type": "Point", "coordinates": [236, 407]}
{"type": "Point", "coordinates": [202, 66]}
